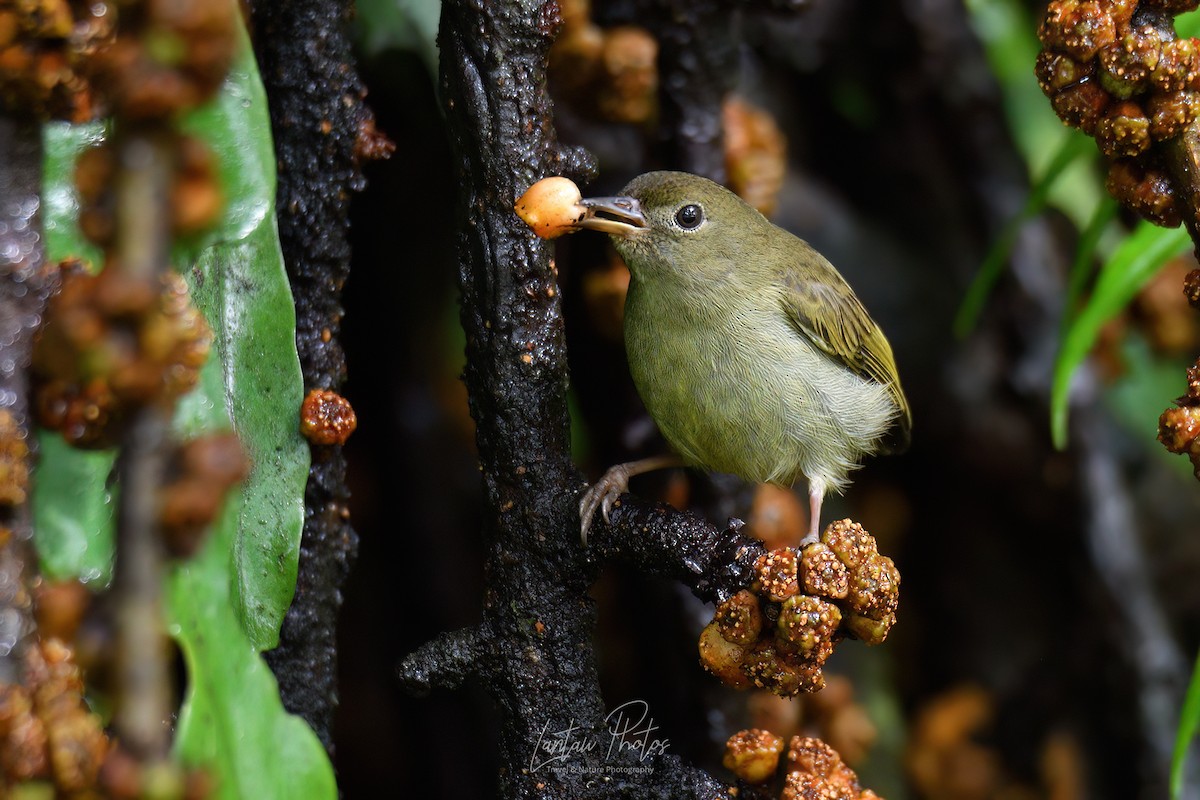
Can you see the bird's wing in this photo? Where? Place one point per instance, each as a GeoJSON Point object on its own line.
{"type": "Point", "coordinates": [821, 305]}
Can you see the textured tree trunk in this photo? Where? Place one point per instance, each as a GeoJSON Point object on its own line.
{"type": "Point", "coordinates": [318, 121]}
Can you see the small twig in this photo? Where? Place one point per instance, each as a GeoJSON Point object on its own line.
{"type": "Point", "coordinates": [143, 683]}
{"type": "Point", "coordinates": [442, 663]}
{"type": "Point", "coordinates": [143, 176]}
{"type": "Point", "coordinates": [713, 562]}
{"type": "Point", "coordinates": [144, 694]}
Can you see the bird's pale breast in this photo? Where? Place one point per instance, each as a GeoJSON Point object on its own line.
{"type": "Point", "coordinates": [738, 389]}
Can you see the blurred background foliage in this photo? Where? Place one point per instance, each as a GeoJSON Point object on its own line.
{"type": "Point", "coordinates": [1049, 594]}
{"type": "Point", "coordinates": [225, 605]}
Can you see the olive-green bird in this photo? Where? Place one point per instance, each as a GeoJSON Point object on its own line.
{"type": "Point", "coordinates": [748, 348]}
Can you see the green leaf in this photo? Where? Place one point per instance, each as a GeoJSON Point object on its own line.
{"type": "Point", "coordinates": [72, 507]}
{"type": "Point", "coordinates": [1138, 397]}
{"type": "Point", "coordinates": [1008, 31]}
{"type": "Point", "coordinates": [1085, 254]}
{"type": "Point", "coordinates": [240, 284]}
{"type": "Point", "coordinates": [1189, 722]}
{"type": "Point", "coordinates": [253, 381]}
{"type": "Point", "coordinates": [233, 723]}
{"type": "Point", "coordinates": [1187, 24]}
{"type": "Point", "coordinates": [60, 199]}
{"type": "Point", "coordinates": [227, 604]}
{"type": "Point", "coordinates": [237, 127]}
{"type": "Point", "coordinates": [74, 538]}
{"type": "Point", "coordinates": [405, 25]}
{"type": "Point", "coordinates": [1073, 148]}
{"type": "Point", "coordinates": [256, 379]}
{"type": "Point", "coordinates": [1122, 276]}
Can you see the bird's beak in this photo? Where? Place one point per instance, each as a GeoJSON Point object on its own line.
{"type": "Point", "coordinates": [620, 216]}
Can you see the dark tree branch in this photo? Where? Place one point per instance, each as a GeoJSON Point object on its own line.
{"type": "Point", "coordinates": [714, 563]}
{"type": "Point", "coordinates": [698, 65]}
{"type": "Point", "coordinates": [443, 662]}
{"type": "Point", "coordinates": [533, 646]}
{"type": "Point", "coordinates": [317, 116]}
{"type": "Point", "coordinates": [536, 614]}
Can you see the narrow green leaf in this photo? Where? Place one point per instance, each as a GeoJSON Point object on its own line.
{"type": "Point", "coordinates": [1085, 256]}
{"type": "Point", "coordinates": [1008, 31]}
{"type": "Point", "coordinates": [1073, 148]}
{"type": "Point", "coordinates": [1189, 722]}
{"type": "Point", "coordinates": [1133, 263]}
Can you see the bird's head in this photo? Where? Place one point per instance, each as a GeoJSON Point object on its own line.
{"type": "Point", "coordinates": [676, 223]}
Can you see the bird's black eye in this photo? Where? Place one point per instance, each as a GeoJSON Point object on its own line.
{"type": "Point", "coordinates": [689, 217]}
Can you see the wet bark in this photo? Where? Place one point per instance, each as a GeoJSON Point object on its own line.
{"type": "Point", "coordinates": [317, 113]}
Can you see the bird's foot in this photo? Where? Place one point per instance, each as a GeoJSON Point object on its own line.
{"type": "Point", "coordinates": [812, 537]}
{"type": "Point", "coordinates": [604, 492]}
{"type": "Point", "coordinates": [601, 495]}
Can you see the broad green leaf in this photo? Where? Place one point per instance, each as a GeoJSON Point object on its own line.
{"type": "Point", "coordinates": [255, 377]}
{"type": "Point", "coordinates": [1187, 24]}
{"type": "Point", "coordinates": [72, 506]}
{"type": "Point", "coordinates": [1133, 263]}
{"type": "Point", "coordinates": [1072, 149]}
{"type": "Point", "coordinates": [1189, 723]}
{"type": "Point", "coordinates": [256, 384]}
{"type": "Point", "coordinates": [237, 128]}
{"type": "Point", "coordinates": [233, 723]}
{"type": "Point", "coordinates": [228, 603]}
{"type": "Point", "coordinates": [242, 288]}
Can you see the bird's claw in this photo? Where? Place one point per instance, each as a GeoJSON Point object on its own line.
{"type": "Point", "coordinates": [601, 495]}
